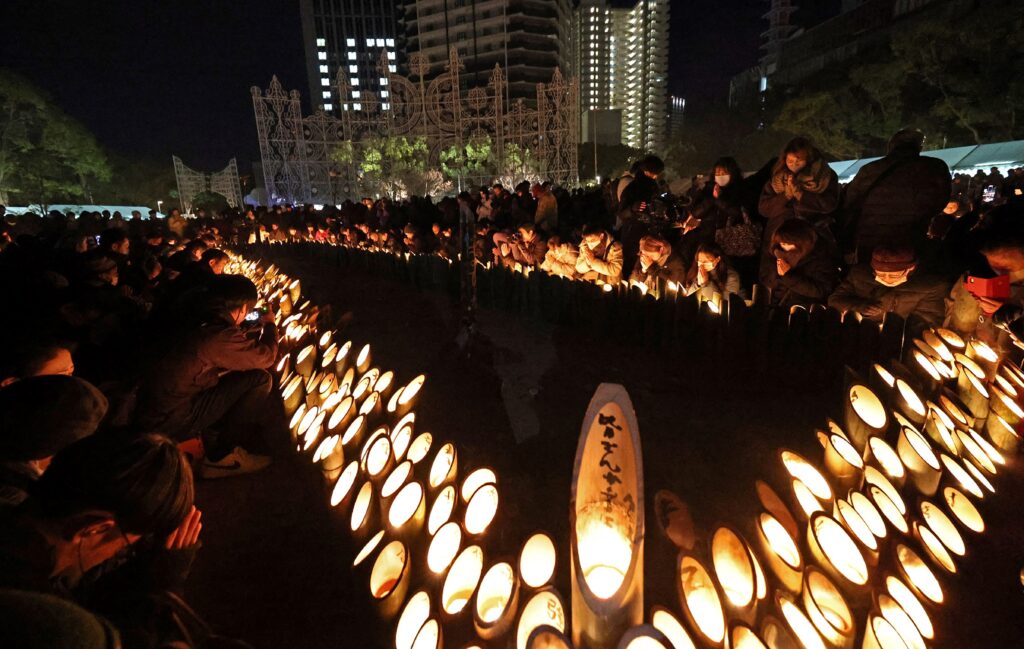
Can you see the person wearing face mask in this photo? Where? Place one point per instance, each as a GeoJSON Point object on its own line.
{"type": "Point", "coordinates": [710, 273]}
{"type": "Point", "coordinates": [802, 185]}
{"type": "Point", "coordinates": [892, 283]}
{"type": "Point", "coordinates": [560, 258]}
{"type": "Point", "coordinates": [600, 256]}
{"type": "Point", "coordinates": [723, 208]}
{"type": "Point", "coordinates": [802, 268]}
{"type": "Point", "coordinates": [655, 262]}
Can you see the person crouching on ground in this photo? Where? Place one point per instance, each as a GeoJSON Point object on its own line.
{"type": "Point", "coordinates": [656, 262]}
{"type": "Point", "coordinates": [560, 258]}
{"type": "Point", "coordinates": [802, 268]}
{"type": "Point", "coordinates": [525, 248]}
{"type": "Point", "coordinates": [600, 258]}
{"type": "Point", "coordinates": [710, 273]}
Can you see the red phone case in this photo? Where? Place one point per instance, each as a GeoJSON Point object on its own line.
{"type": "Point", "coordinates": [994, 287]}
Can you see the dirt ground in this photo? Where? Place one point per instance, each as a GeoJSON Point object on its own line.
{"type": "Point", "coordinates": [274, 567]}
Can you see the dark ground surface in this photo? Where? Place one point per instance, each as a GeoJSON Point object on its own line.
{"type": "Point", "coordinates": [273, 569]}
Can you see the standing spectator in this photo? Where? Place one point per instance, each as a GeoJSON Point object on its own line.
{"type": "Point", "coordinates": [635, 206]}
{"type": "Point", "coordinates": [892, 283]}
{"type": "Point", "coordinates": [546, 216]}
{"type": "Point", "coordinates": [600, 257]}
{"type": "Point", "coordinates": [802, 268]}
{"type": "Point", "coordinates": [802, 185]}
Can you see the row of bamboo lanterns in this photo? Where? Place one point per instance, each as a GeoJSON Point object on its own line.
{"type": "Point", "coordinates": [910, 474]}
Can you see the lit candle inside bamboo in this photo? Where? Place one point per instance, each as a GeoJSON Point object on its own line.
{"type": "Point", "coordinates": [888, 509]}
{"type": "Point", "coordinates": [481, 509]}
{"type": "Point", "coordinates": [808, 503]}
{"type": "Point", "coordinates": [429, 636]}
{"type": "Point", "coordinates": [898, 618]}
{"type": "Point", "coordinates": [407, 504]}
{"type": "Point", "coordinates": [443, 468]}
{"type": "Point", "coordinates": [361, 507]}
{"type": "Point", "coordinates": [420, 447]}
{"type": "Point", "coordinates": [733, 566]}
{"type": "Point", "coordinates": [975, 453]}
{"type": "Point", "coordinates": [880, 634]}
{"type": "Point", "coordinates": [803, 629]}
{"type": "Point", "coordinates": [368, 549]}
{"type": "Point", "coordinates": [496, 600]}
{"type": "Point", "coordinates": [887, 459]}
{"type": "Point", "coordinates": [868, 513]}
{"type": "Point", "coordinates": [441, 509]}
{"type": "Point", "coordinates": [939, 427]}
{"type": "Point", "coordinates": [911, 604]}
{"type": "Point", "coordinates": [865, 415]}
{"type": "Point", "coordinates": [919, 458]}
{"type": "Point", "coordinates": [909, 402]}
{"type": "Point", "coordinates": [537, 560]}
{"type": "Point", "coordinates": [462, 580]}
{"type": "Point", "coordinates": [389, 575]}
{"type": "Point", "coordinates": [836, 550]}
{"type": "Point", "coordinates": [743, 637]}
{"type": "Point", "coordinates": [443, 548]}
{"type": "Point", "coordinates": [960, 475]}
{"type": "Point", "coordinates": [474, 481]}
{"type": "Point", "coordinates": [780, 551]}
{"type": "Point", "coordinates": [663, 620]}
{"type": "Point", "coordinates": [985, 356]}
{"type": "Point", "coordinates": [802, 470]}
{"type": "Point", "coordinates": [918, 575]}
{"type": "Point", "coordinates": [395, 480]}
{"type": "Point", "coordinates": [343, 486]}
{"type": "Point", "coordinates": [933, 547]}
{"type": "Point", "coordinates": [543, 608]}
{"type": "Point", "coordinates": [605, 548]}
{"type": "Point", "coordinates": [963, 509]}
{"type": "Point", "coordinates": [827, 609]}
{"type": "Point", "coordinates": [414, 615]}
{"type": "Point", "coordinates": [700, 601]}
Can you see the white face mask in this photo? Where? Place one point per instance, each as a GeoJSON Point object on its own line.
{"type": "Point", "coordinates": [890, 284]}
{"type": "Point", "coordinates": [722, 181]}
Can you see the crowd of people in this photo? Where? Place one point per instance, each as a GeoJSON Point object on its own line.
{"type": "Point", "coordinates": [134, 362]}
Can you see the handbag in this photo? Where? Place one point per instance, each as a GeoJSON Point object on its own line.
{"type": "Point", "coordinates": [740, 240]}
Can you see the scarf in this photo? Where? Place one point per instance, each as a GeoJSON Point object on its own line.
{"type": "Point", "coordinates": [813, 178]}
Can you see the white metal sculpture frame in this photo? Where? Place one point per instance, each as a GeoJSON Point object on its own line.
{"type": "Point", "coordinates": [191, 182]}
{"type": "Point", "coordinates": [296, 150]}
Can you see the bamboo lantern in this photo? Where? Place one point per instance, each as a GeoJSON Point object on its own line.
{"type": "Point", "coordinates": [916, 574]}
{"type": "Point", "coordinates": [864, 415]}
{"type": "Point", "coordinates": [305, 361]}
{"type": "Point", "coordinates": [827, 610]}
{"type": "Point", "coordinates": [496, 601]}
{"type": "Point", "coordinates": [742, 636]}
{"type": "Point", "coordinates": [928, 369]}
{"type": "Point", "coordinates": [911, 605]}
{"type": "Point", "coordinates": [413, 617]}
{"type": "Point", "coordinates": [481, 509]}
{"type": "Point", "coordinates": [780, 552]}
{"type": "Point", "coordinates": [343, 487]}
{"type": "Point", "coordinates": [777, 635]}
{"type": "Point", "coordinates": [836, 551]}
{"type": "Point", "coordinates": [462, 579]}
{"type": "Point", "coordinates": [966, 366]}
{"type": "Point", "coordinates": [312, 384]}
{"type": "Point", "coordinates": [347, 382]}
{"type": "Point", "coordinates": [474, 481]}
{"type": "Point", "coordinates": [362, 509]}
{"type": "Point", "coordinates": [362, 386]}
{"type": "Point", "coordinates": [952, 339]}
{"type": "Point", "coordinates": [407, 511]}
{"type": "Point", "coordinates": [330, 456]}
{"type": "Point", "coordinates": [778, 509]}
{"type": "Point", "coordinates": [285, 305]}
{"type": "Point", "coordinates": [607, 522]}
{"type": "Point", "coordinates": [956, 409]}
{"type": "Point", "coordinates": [1004, 405]}
{"type": "Point", "coordinates": [283, 367]}
{"type": "Point", "coordinates": [933, 547]}
{"type": "Point", "coordinates": [963, 510]}
{"type": "Point", "coordinates": [296, 420]}
{"type": "Point", "coordinates": [873, 477]}
{"type": "Point", "coordinates": [395, 481]}
{"type": "Point", "coordinates": [733, 564]}
{"type": "Point", "coordinates": [881, 634]}
{"type": "Point", "coordinates": [1002, 434]}
{"type": "Point", "coordinates": [960, 477]}
{"type": "Point", "coordinates": [978, 476]}
{"type": "Point", "coordinates": [371, 407]}
{"type": "Point", "coordinates": [441, 509]}
{"type": "Point", "coordinates": [393, 401]}
{"type": "Point", "coordinates": [376, 458]}
{"type": "Point", "coordinates": [341, 358]}
{"type": "Point", "coordinates": [938, 426]}
{"type": "Point", "coordinates": [848, 516]}
{"type": "Point", "coordinates": [984, 356]}
{"type": "Point", "coordinates": [341, 416]}
{"type": "Point", "coordinates": [884, 458]}
{"type": "Point", "coordinates": [991, 451]}
{"type": "Point", "coordinates": [408, 394]}
{"type": "Point", "coordinates": [701, 601]}
{"type": "Point", "coordinates": [312, 432]}
{"type": "Point", "coordinates": [842, 460]}
{"type": "Point", "coordinates": [898, 618]}
{"type": "Point", "coordinates": [548, 637]}
{"type": "Point", "coordinates": [868, 513]}
{"type": "Point", "coordinates": [800, 627]}
{"type": "Point", "coordinates": [885, 377]}
{"type": "Point", "coordinates": [807, 503]}
{"type": "Point", "coordinates": [293, 394]}
{"type": "Point", "coordinates": [354, 431]}
{"type": "Point", "coordinates": [888, 509]}
{"type": "Point", "coordinates": [935, 341]}
{"type": "Point", "coordinates": [537, 560]}
{"type": "Point", "coordinates": [917, 455]}
{"type": "Point", "coordinates": [975, 453]}
{"type": "Point", "coordinates": [975, 396]}
{"type": "Point", "coordinates": [294, 291]}
{"type": "Point", "coordinates": [330, 404]}
{"type": "Point", "coordinates": [362, 361]}
{"type": "Point", "coordinates": [663, 620]}
{"type": "Point", "coordinates": [420, 447]}
{"type": "Point", "coordinates": [1007, 386]}
{"type": "Point", "coordinates": [444, 466]}
{"type": "Point", "coordinates": [645, 636]}
{"type": "Point", "coordinates": [444, 547]}
{"type": "Point", "coordinates": [401, 436]}
{"type": "Point", "coordinates": [909, 403]}
{"type": "Point", "coordinates": [802, 470]}
{"type": "Point", "coordinates": [368, 549]}
{"type": "Point", "coordinates": [384, 385]}
{"type": "Point", "coordinates": [389, 578]}
{"type": "Point", "coordinates": [327, 357]}
{"type": "Point", "coordinates": [326, 389]}
{"type": "Point", "coordinates": [326, 340]}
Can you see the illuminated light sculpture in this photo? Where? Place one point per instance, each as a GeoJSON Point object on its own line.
{"type": "Point", "coordinates": [975, 396]}
{"type": "Point", "coordinates": [395, 480]}
{"type": "Point", "coordinates": [362, 360]}
{"type": "Point", "coordinates": [864, 415]}
{"type": "Point", "coordinates": [376, 458]}
{"type": "Point", "coordinates": [343, 487]}
{"type": "Point", "coordinates": [963, 510]}
{"type": "Point", "coordinates": [960, 477]}
{"type": "Point", "coordinates": [496, 601]}
{"type": "Point", "coordinates": [537, 560]}
{"type": "Point", "coordinates": [663, 620]}
{"type": "Point", "coordinates": [444, 466]}
{"type": "Point", "coordinates": [341, 415]}
{"type": "Point", "coordinates": [370, 378]}
{"type": "Point", "coordinates": [966, 365]}
{"type": "Point", "coordinates": [1004, 406]}
{"type": "Point", "coordinates": [909, 602]}
{"type": "Point", "coordinates": [836, 551]}
{"type": "Point", "coordinates": [362, 389]}
{"type": "Point", "coordinates": [901, 621]}
{"type": "Point", "coordinates": [733, 563]}
{"type": "Point", "coordinates": [842, 460]}
{"type": "Point", "coordinates": [885, 458]}
{"type": "Point", "coordinates": [868, 513]}
{"type": "Point", "coordinates": [1002, 433]}
{"type": "Point", "coordinates": [420, 447]}
{"type": "Point", "coordinates": [293, 394]}
{"type": "Point", "coordinates": [481, 510]}
{"type": "Point", "coordinates": [777, 635]}
{"type": "Point", "coordinates": [827, 609]}
{"type": "Point", "coordinates": [644, 636]}
{"type": "Point", "coordinates": [952, 339]}
{"type": "Point", "coordinates": [916, 574]}
{"type": "Point", "coordinates": [801, 628]}
{"type": "Point", "coordinates": [848, 516]}
{"type": "Point", "coordinates": [462, 579]}
{"type": "Point", "coordinates": [984, 356]}
{"type": "Point", "coordinates": [389, 578]}
{"type": "Point", "coordinates": [407, 395]}
{"type": "Point", "coordinates": [701, 601]}
{"type": "Point", "coordinates": [933, 547]}
{"type": "Point", "coordinates": [444, 547]}
{"type": "Point", "coordinates": [922, 465]}
{"type": "Point", "coordinates": [361, 509]}
{"type": "Point", "coordinates": [406, 514]}
{"type": "Point", "coordinates": [606, 521]}
{"type": "Point", "coordinates": [474, 481]}
{"type": "Point", "coordinates": [881, 634]}
{"type": "Point", "coordinates": [312, 433]}
{"type": "Point", "coordinates": [441, 509]}
{"type": "Point", "coordinates": [939, 427]}
{"type": "Point", "coordinates": [909, 403]}
{"type": "Point", "coordinates": [974, 452]}
{"type": "Point", "coordinates": [780, 552]}
{"type": "Point", "coordinates": [305, 360]}
{"type": "Point", "coordinates": [889, 510]}
{"type": "Point", "coordinates": [412, 619]}
{"type": "Point", "coordinates": [742, 636]}
{"type": "Point", "coordinates": [393, 401]}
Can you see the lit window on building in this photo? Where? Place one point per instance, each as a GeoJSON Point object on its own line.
{"type": "Point", "coordinates": [328, 106]}
{"type": "Point", "coordinates": [390, 42]}
{"type": "Point", "coordinates": [383, 93]}
{"type": "Point", "coordinates": [391, 56]}
{"type": "Point", "coordinates": [351, 42]}
{"type": "Point", "coordinates": [321, 42]}
{"type": "Point", "coordinates": [322, 56]}
{"type": "Point", "coordinates": [327, 94]}
{"type": "Point", "coordinates": [386, 106]}
{"type": "Point", "coordinates": [392, 69]}
{"type": "Point", "coordinates": [354, 81]}
{"type": "Point", "coordinates": [369, 43]}
{"type": "Point", "coordinates": [353, 69]}
{"type": "Point", "coordinates": [357, 106]}
{"type": "Point", "coordinates": [356, 94]}
{"type": "Point", "coordinates": [351, 56]}
{"type": "Point", "coordinates": [325, 81]}
{"type": "Point", "coordinates": [383, 81]}
{"type": "Point", "coordinates": [323, 69]}
{"type": "Point", "coordinates": [380, 42]}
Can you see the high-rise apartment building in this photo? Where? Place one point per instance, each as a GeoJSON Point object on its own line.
{"type": "Point", "coordinates": [622, 62]}
{"type": "Point", "coordinates": [351, 37]}
{"type": "Point", "coordinates": [529, 39]}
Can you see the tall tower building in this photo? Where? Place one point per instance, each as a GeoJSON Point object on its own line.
{"type": "Point", "coordinates": [349, 36]}
{"type": "Point", "coordinates": [529, 39]}
{"type": "Point", "coordinates": [622, 62]}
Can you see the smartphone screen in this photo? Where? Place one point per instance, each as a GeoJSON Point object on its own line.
{"type": "Point", "coordinates": [253, 315]}
{"type": "Point", "coordinates": [989, 194]}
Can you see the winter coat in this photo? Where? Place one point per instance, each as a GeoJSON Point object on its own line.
{"type": "Point", "coordinates": [528, 254]}
{"type": "Point", "coordinates": [921, 295]}
{"type": "Point", "coordinates": [546, 216]}
{"type": "Point", "coordinates": [606, 264]}
{"type": "Point", "coordinates": [724, 283]}
{"type": "Point", "coordinates": [819, 195]}
{"type": "Point", "coordinates": [561, 260]}
{"type": "Point", "coordinates": [671, 270]}
{"type": "Point", "coordinates": [812, 276]}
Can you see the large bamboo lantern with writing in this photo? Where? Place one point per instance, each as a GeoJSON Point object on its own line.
{"type": "Point", "coordinates": [607, 522]}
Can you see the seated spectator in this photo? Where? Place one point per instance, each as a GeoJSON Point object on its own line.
{"type": "Point", "coordinates": [546, 215]}
{"type": "Point", "coordinates": [600, 257]}
{"type": "Point", "coordinates": [38, 417]}
{"type": "Point", "coordinates": [560, 259]}
{"type": "Point", "coordinates": [39, 621]}
{"type": "Point", "coordinates": [710, 273]}
{"type": "Point", "coordinates": [27, 359]}
{"type": "Point", "coordinates": [802, 185]}
{"type": "Point", "coordinates": [892, 283]}
{"type": "Point", "coordinates": [656, 265]}
{"type": "Point", "coordinates": [415, 242]}
{"type": "Point", "coordinates": [213, 381]}
{"type": "Point", "coordinates": [525, 248]}
{"type": "Point", "coordinates": [215, 260]}
{"type": "Point", "coordinates": [802, 268]}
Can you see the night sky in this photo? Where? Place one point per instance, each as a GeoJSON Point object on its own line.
{"type": "Point", "coordinates": [154, 78]}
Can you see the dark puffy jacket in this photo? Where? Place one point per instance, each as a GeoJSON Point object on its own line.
{"type": "Point", "coordinates": [672, 270]}
{"type": "Point", "coordinates": [922, 295]}
{"type": "Point", "coordinates": [811, 278]}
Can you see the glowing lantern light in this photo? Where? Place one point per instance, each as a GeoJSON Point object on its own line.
{"type": "Point", "coordinates": [283, 366]}
{"type": "Point", "coordinates": [887, 460]}
{"type": "Point", "coordinates": [442, 470]}
{"type": "Point", "coordinates": [733, 565]}
{"type": "Point", "coordinates": [544, 608]}
{"type": "Point", "coordinates": [406, 513]}
{"type": "Point", "coordinates": [644, 636]}
{"type": "Point", "coordinates": [777, 635]}
{"type": "Point", "coordinates": [909, 403]}
{"type": "Point", "coordinates": [474, 481]}
{"type": "Point", "coordinates": [975, 453]}
{"type": "Point", "coordinates": [341, 358]}
{"type": "Point", "coordinates": [1002, 433]}
{"type": "Point", "coordinates": [296, 419]}
{"type": "Point", "coordinates": [481, 509]}
{"type": "Point", "coordinates": [978, 476]}
{"type": "Point", "coordinates": [537, 560]}
{"type": "Point", "coordinates": [774, 506]}
{"type": "Point", "coordinates": [384, 384]}
{"type": "Point", "coordinates": [808, 503]}
{"type": "Point", "coordinates": [671, 628]}
{"type": "Point", "coordinates": [868, 513]}
{"type": "Point", "coordinates": [295, 291]}
{"type": "Point", "coordinates": [462, 579]}
{"type": "Point", "coordinates": [496, 601]}
{"type": "Point", "coordinates": [827, 609]}
{"type": "Point", "coordinates": [938, 426]}
{"type": "Point", "coordinates": [960, 475]}
{"type": "Point", "coordinates": [842, 460]}
{"type": "Point", "coordinates": [341, 415]}
{"type": "Point", "coordinates": [330, 404]}
{"type": "Point", "coordinates": [951, 338]}
{"type": "Point", "coordinates": [991, 451]}
{"type": "Point", "coordinates": [864, 415]}
{"type": "Point", "coordinates": [873, 477]}
{"type": "Point", "coordinates": [881, 634]}
{"type": "Point", "coordinates": [548, 637]}
{"type": "Point", "coordinates": [1004, 406]}
{"type": "Point", "coordinates": [316, 426]}
{"type": "Point", "coordinates": [361, 507]}
{"type": "Point", "coordinates": [848, 516]}
{"type": "Point", "coordinates": [444, 547]}
{"type": "Point", "coordinates": [331, 457]}
{"type": "Point", "coordinates": [420, 447]}
{"type": "Point", "coordinates": [885, 375]}
{"type": "Point", "coordinates": [975, 396]}
{"type": "Point", "coordinates": [933, 547]}
{"type": "Point", "coordinates": [395, 480]}
{"type": "Point", "coordinates": [700, 601]}
{"type": "Point", "coordinates": [293, 394]}
{"type": "Point", "coordinates": [407, 395]}
{"type": "Point", "coordinates": [888, 509]}
{"type": "Point", "coordinates": [967, 366]}
{"type": "Point", "coordinates": [918, 575]}
{"type": "Point", "coordinates": [802, 470]}
{"type": "Point", "coordinates": [802, 628]}
{"type": "Point", "coordinates": [363, 359]}
{"type": "Point", "coordinates": [919, 458]}
{"type": "Point", "coordinates": [327, 358]}
{"type": "Point", "coordinates": [835, 550]}
{"type": "Point", "coordinates": [400, 439]}
{"type": "Point", "coordinates": [354, 431]}
{"type": "Point", "coordinates": [898, 618]}
{"type": "Point", "coordinates": [368, 549]}
{"type": "Point", "coordinates": [441, 509]}
{"type": "Point", "coordinates": [956, 410]}
{"type": "Point", "coordinates": [911, 604]}
{"type": "Point", "coordinates": [343, 487]}
{"type": "Point", "coordinates": [305, 360]}
{"type": "Point", "coordinates": [414, 615]}
{"type": "Point", "coordinates": [376, 456]}
{"type": "Point", "coordinates": [371, 406]}
{"type": "Point", "coordinates": [780, 551]}
{"type": "Point", "coordinates": [984, 356]}
{"type": "Point", "coordinates": [347, 381]}
{"type": "Point", "coordinates": [389, 578]}
{"type": "Point", "coordinates": [429, 636]}
{"type": "Point", "coordinates": [963, 509]}
{"type": "Point", "coordinates": [929, 368]}
{"type": "Point", "coordinates": [743, 637]}
{"type": "Point", "coordinates": [934, 340]}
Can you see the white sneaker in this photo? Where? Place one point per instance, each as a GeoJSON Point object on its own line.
{"type": "Point", "coordinates": [239, 461]}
